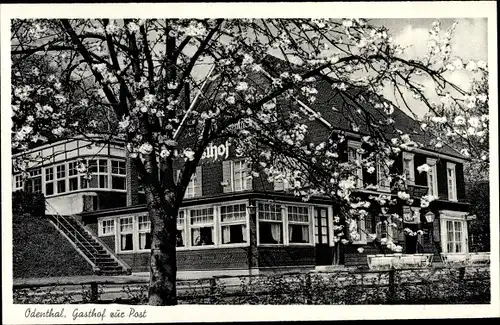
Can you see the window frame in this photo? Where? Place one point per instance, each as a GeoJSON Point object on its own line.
{"type": "Point", "coordinates": [301, 223]}
{"type": "Point", "coordinates": [245, 222]}
{"type": "Point", "coordinates": [101, 226]}
{"type": "Point", "coordinates": [386, 187]}
{"type": "Point", "coordinates": [244, 180]}
{"type": "Point", "coordinates": [117, 175]}
{"type": "Point", "coordinates": [411, 157]}
{"type": "Point", "coordinates": [281, 207]}
{"type": "Point", "coordinates": [356, 146]}
{"type": "Point", "coordinates": [120, 233]}
{"type": "Point", "coordinates": [74, 176]}
{"type": "Point", "coordinates": [432, 163]}
{"type": "Point", "coordinates": [142, 231]}
{"type": "Point", "coordinates": [213, 224]}
{"type": "Point", "coordinates": [183, 227]}
{"type": "Point", "coordinates": [452, 195]}
{"type": "Point", "coordinates": [453, 216]}
{"type": "Point", "coordinates": [18, 182]}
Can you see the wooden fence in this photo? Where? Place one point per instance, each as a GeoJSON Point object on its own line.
{"type": "Point", "coordinates": [441, 285]}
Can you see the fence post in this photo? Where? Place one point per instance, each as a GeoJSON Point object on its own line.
{"type": "Point", "coordinates": [308, 289]}
{"type": "Point", "coordinates": [94, 292]}
{"type": "Point", "coordinates": [392, 286]}
{"type": "Point", "coordinates": [213, 284]}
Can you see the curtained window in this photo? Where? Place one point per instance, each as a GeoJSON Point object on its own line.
{"type": "Point", "coordinates": [270, 223]}
{"type": "Point", "coordinates": [234, 224]}
{"type": "Point", "coordinates": [181, 230]}
{"type": "Point", "coordinates": [298, 224]}
{"type": "Point", "coordinates": [202, 227]}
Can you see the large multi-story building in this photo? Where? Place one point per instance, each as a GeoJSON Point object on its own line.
{"type": "Point", "coordinates": [234, 224]}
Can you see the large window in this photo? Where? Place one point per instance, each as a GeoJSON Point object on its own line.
{"type": "Point", "coordinates": [454, 237]}
{"type": "Point", "coordinates": [181, 229]}
{"type": "Point", "coordinates": [126, 234]}
{"type": "Point", "coordinates": [298, 224]}
{"type": "Point", "coordinates": [432, 177]}
{"type": "Point", "coordinates": [202, 227]}
{"type": "Point", "coordinates": [49, 181]}
{"type": "Point", "coordinates": [233, 224]}
{"type": "Point", "coordinates": [73, 175]}
{"type": "Point", "coordinates": [144, 226]}
{"type": "Point", "coordinates": [354, 156]}
{"type": "Point", "coordinates": [452, 181]}
{"type": "Point", "coordinates": [118, 175]}
{"type": "Point", "coordinates": [34, 183]}
{"type": "Point", "coordinates": [270, 223]}
{"type": "Point", "coordinates": [409, 167]}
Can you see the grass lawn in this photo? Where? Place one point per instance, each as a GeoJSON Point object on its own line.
{"type": "Point", "coordinates": [39, 250]}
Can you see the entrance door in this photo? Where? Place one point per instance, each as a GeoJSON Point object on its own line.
{"type": "Point", "coordinates": [324, 252]}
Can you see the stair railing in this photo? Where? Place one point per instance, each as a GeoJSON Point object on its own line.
{"type": "Point", "coordinates": [75, 235]}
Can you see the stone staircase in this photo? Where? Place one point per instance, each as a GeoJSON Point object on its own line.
{"type": "Point", "coordinates": [97, 254]}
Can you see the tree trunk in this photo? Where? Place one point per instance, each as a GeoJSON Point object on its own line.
{"type": "Point", "coordinates": [163, 264]}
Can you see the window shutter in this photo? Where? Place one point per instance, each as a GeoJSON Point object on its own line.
{"type": "Point", "coordinates": [249, 181]}
{"type": "Point", "coordinates": [198, 182]}
{"type": "Point", "coordinates": [227, 176]}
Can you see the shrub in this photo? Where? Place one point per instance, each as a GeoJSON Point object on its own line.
{"type": "Point", "coordinates": [28, 203]}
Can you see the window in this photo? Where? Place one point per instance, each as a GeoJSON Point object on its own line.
{"type": "Point", "coordinates": [202, 227]}
{"type": "Point", "coordinates": [73, 176]}
{"type": "Point", "coordinates": [107, 227]}
{"type": "Point", "coordinates": [357, 231]}
{"type": "Point", "coordinates": [99, 170]}
{"type": "Point", "coordinates": [383, 178]}
{"type": "Point", "coordinates": [320, 226]}
{"type": "Point", "coordinates": [18, 182]}
{"type": "Point", "coordinates": [34, 183]}
{"type": "Point", "coordinates": [454, 237]}
{"type": "Point", "coordinates": [61, 178]}
{"type": "Point", "coordinates": [354, 155]}
{"type": "Point", "coordinates": [126, 234]}
{"type": "Point", "coordinates": [452, 181]}
{"type": "Point", "coordinates": [432, 177]}
{"type": "Point", "coordinates": [144, 232]}
{"type": "Point", "coordinates": [194, 187]}
{"type": "Point", "coordinates": [409, 167]}
{"type": "Point", "coordinates": [181, 230]}
{"type": "Point", "coordinates": [298, 224]}
{"type": "Point", "coordinates": [270, 223]}
{"type": "Point", "coordinates": [49, 181]}
{"type": "Point", "coordinates": [234, 224]}
{"type": "Point", "coordinates": [240, 175]}
{"type": "Point", "coordinates": [118, 175]}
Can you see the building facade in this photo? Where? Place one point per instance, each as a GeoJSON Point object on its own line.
{"type": "Point", "coordinates": [231, 223]}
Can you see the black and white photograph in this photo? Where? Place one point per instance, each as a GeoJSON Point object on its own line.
{"type": "Point", "coordinates": [217, 156]}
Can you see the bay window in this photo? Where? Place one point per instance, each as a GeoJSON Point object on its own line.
{"type": "Point", "coordinates": [298, 224]}
{"type": "Point", "coordinates": [202, 227]}
{"type": "Point", "coordinates": [126, 234]}
{"type": "Point", "coordinates": [270, 223]}
{"type": "Point", "coordinates": [233, 224]}
{"type": "Point", "coordinates": [432, 177]}
{"type": "Point", "coordinates": [452, 181]}
{"type": "Point", "coordinates": [144, 227]}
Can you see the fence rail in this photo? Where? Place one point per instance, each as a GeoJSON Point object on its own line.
{"type": "Point", "coordinates": [419, 285]}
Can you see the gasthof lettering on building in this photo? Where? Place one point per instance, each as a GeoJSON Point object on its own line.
{"type": "Point", "coordinates": [223, 207]}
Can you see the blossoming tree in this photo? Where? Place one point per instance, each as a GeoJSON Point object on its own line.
{"type": "Point", "coordinates": [136, 79]}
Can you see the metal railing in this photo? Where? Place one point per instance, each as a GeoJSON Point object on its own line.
{"type": "Point", "coordinates": [74, 234]}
